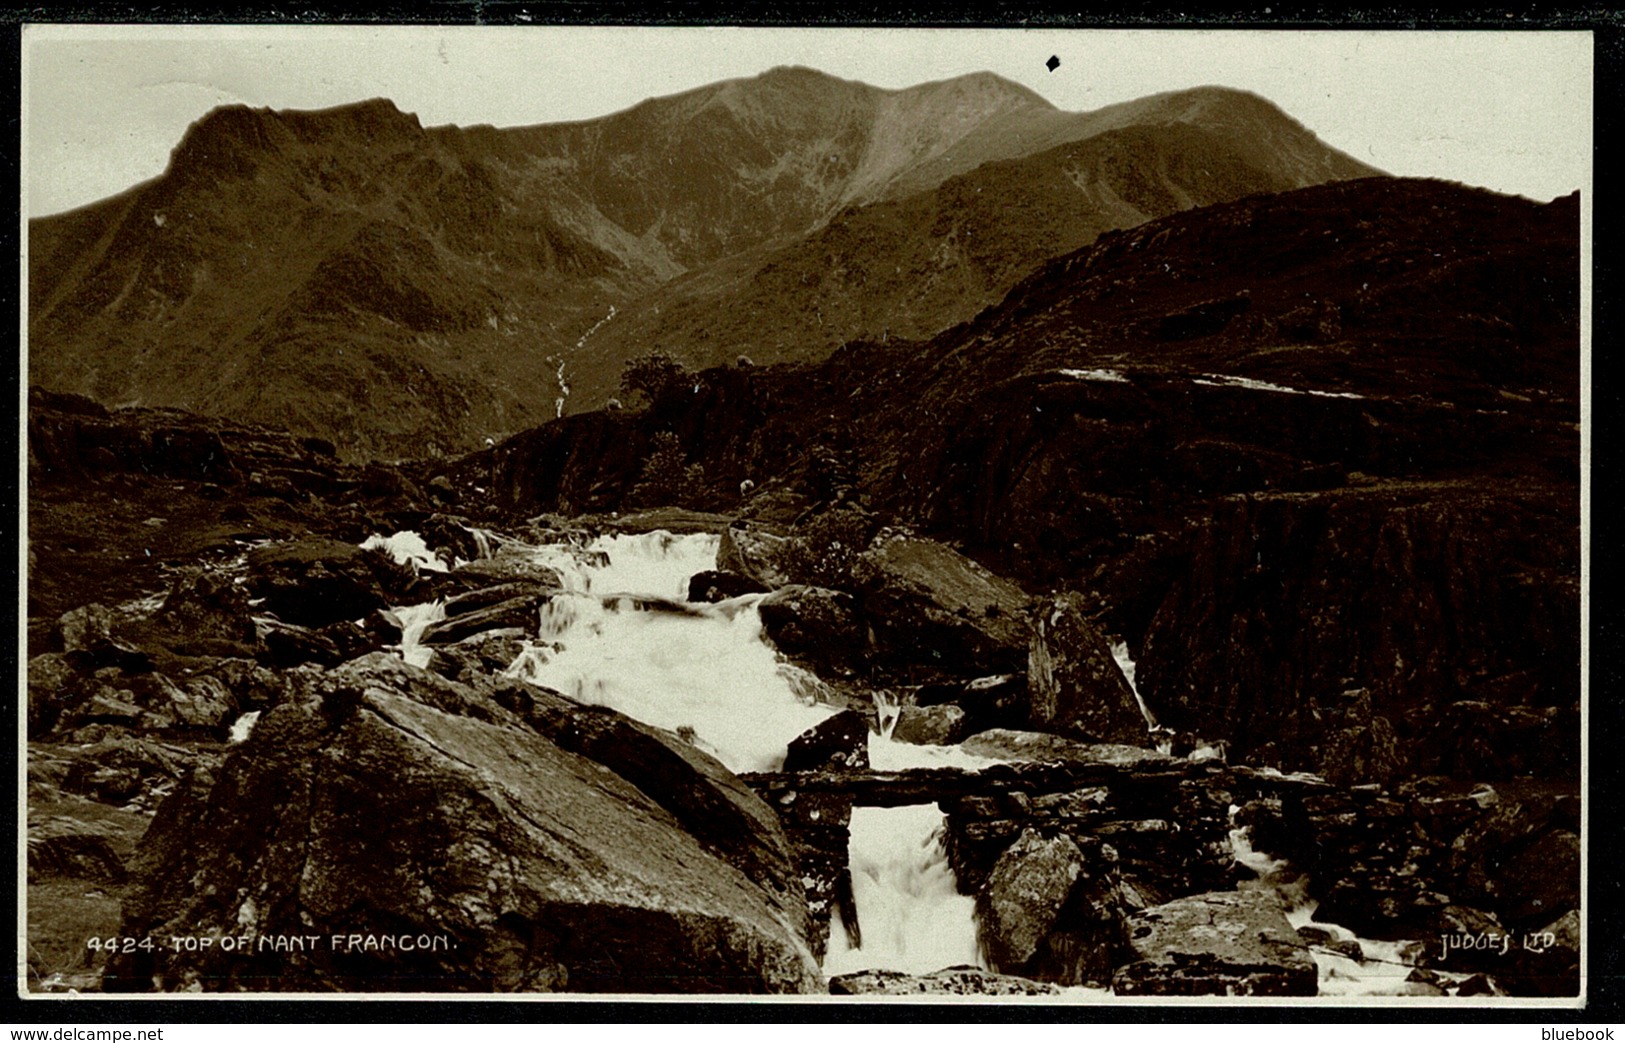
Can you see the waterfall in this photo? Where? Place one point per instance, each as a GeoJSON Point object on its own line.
{"type": "Point", "coordinates": [625, 637]}
{"type": "Point", "coordinates": [484, 540]}
{"type": "Point", "coordinates": [414, 620]}
{"type": "Point", "coordinates": [622, 634]}
{"type": "Point", "coordinates": [1126, 665]}
{"type": "Point", "coordinates": [914, 919]}
{"type": "Point", "coordinates": [243, 726]}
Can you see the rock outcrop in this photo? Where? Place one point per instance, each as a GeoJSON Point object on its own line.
{"type": "Point", "coordinates": [414, 837]}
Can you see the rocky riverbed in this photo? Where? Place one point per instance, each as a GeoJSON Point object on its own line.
{"type": "Point", "coordinates": [297, 725]}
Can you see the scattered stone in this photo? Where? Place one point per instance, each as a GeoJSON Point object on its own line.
{"type": "Point", "coordinates": [209, 606]}
{"type": "Point", "coordinates": [478, 656]}
{"type": "Point", "coordinates": [313, 581]}
{"type": "Point", "coordinates": [53, 685]}
{"type": "Point", "coordinates": [1321, 938]}
{"type": "Point", "coordinates": [1008, 744]}
{"type": "Point", "coordinates": [510, 564]}
{"type": "Point", "coordinates": [286, 645]}
{"type": "Point", "coordinates": [754, 553]}
{"type": "Point", "coordinates": [62, 846]}
{"type": "Point", "coordinates": [1478, 985]}
{"type": "Point", "coordinates": [522, 613]}
{"type": "Point", "coordinates": [839, 742]}
{"type": "Point", "coordinates": [1024, 895]}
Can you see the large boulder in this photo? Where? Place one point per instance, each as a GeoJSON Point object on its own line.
{"type": "Point", "coordinates": [713, 585]}
{"type": "Point", "coordinates": [510, 564]}
{"type": "Point", "coordinates": [815, 626]}
{"type": "Point", "coordinates": [66, 846]}
{"type": "Point", "coordinates": [817, 822]}
{"type": "Point", "coordinates": [1223, 943]}
{"type": "Point", "coordinates": [931, 607]}
{"type": "Point", "coordinates": [1050, 910]}
{"type": "Point", "coordinates": [1074, 685]}
{"type": "Point", "coordinates": [203, 607]}
{"type": "Point", "coordinates": [838, 742]}
{"type": "Point", "coordinates": [53, 685]}
{"type": "Point", "coordinates": [91, 636]}
{"type": "Point", "coordinates": [523, 613]}
{"type": "Point", "coordinates": [362, 839]}
{"type": "Point", "coordinates": [710, 801]}
{"type": "Point", "coordinates": [313, 581]}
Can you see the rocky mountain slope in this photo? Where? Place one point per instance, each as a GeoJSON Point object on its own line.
{"type": "Point", "coordinates": [402, 290]}
{"type": "Point", "coordinates": [1313, 455]}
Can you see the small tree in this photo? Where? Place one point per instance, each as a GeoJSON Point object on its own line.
{"type": "Point", "coordinates": [665, 476]}
{"type": "Point", "coordinates": [652, 378]}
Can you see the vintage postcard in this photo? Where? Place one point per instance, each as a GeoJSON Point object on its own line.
{"type": "Point", "coordinates": [1020, 516]}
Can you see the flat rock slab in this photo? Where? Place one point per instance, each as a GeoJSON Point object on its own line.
{"type": "Point", "coordinates": [955, 981]}
{"type": "Point", "coordinates": [1042, 747]}
{"type": "Point", "coordinates": [1223, 943]}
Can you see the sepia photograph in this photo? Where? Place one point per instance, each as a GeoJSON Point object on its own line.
{"type": "Point", "coordinates": [970, 516]}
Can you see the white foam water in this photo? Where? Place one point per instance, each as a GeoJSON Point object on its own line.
{"type": "Point", "coordinates": [415, 619]}
{"type": "Point", "coordinates": [243, 726]}
{"type": "Point", "coordinates": [700, 669]}
{"type": "Point", "coordinates": [911, 916]}
{"type": "Point", "coordinates": [1126, 665]}
{"type": "Point", "coordinates": [407, 548]}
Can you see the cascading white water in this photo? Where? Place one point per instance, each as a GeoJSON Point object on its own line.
{"type": "Point", "coordinates": [699, 668]}
{"type": "Point", "coordinates": [407, 548]}
{"type": "Point", "coordinates": [1126, 665]}
{"type": "Point", "coordinates": [707, 672]}
{"type": "Point", "coordinates": [911, 915]}
{"type": "Point", "coordinates": [414, 619]}
{"type": "Point", "coordinates": [243, 726]}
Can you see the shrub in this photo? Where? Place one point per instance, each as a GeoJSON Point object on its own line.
{"type": "Point", "coordinates": [667, 480]}
{"type": "Point", "coordinates": [826, 547]}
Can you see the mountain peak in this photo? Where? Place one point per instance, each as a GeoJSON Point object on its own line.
{"type": "Point", "coordinates": [987, 84]}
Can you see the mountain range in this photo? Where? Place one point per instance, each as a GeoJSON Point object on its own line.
{"type": "Point", "coordinates": [405, 291]}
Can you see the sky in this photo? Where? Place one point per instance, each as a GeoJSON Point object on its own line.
{"type": "Point", "coordinates": [104, 105]}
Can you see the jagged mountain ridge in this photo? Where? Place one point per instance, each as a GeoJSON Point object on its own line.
{"type": "Point", "coordinates": [406, 290]}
